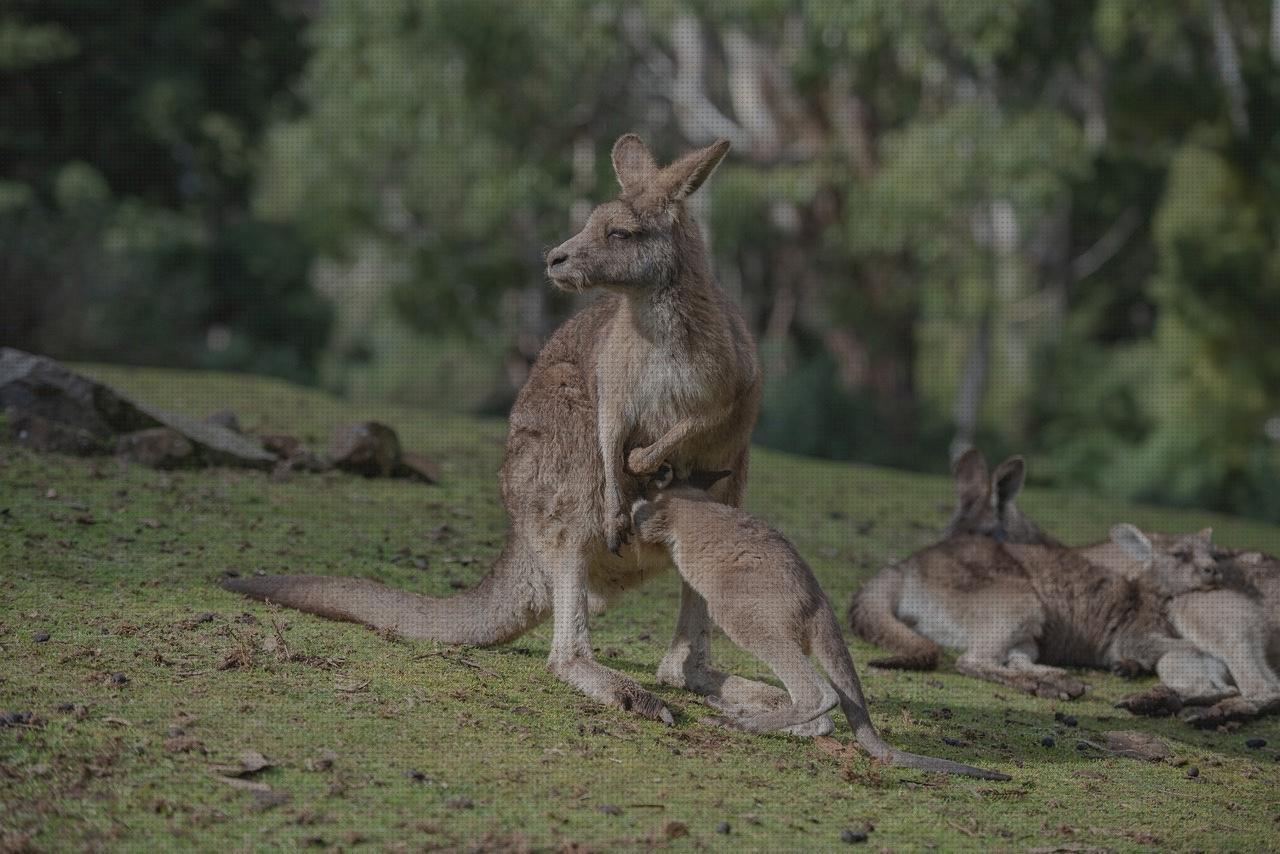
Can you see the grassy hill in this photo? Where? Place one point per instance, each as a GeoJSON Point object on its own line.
{"type": "Point", "coordinates": [152, 677]}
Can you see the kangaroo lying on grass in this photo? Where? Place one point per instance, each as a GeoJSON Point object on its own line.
{"type": "Point", "coordinates": [662, 367]}
{"type": "Point", "coordinates": [1234, 629]}
{"type": "Point", "coordinates": [764, 596]}
{"type": "Point", "coordinates": [1014, 610]}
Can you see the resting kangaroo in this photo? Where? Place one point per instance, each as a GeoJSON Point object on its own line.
{"type": "Point", "coordinates": [1015, 609]}
{"type": "Point", "coordinates": [1235, 629]}
{"type": "Point", "coordinates": [765, 598]}
{"type": "Point", "coordinates": [662, 366]}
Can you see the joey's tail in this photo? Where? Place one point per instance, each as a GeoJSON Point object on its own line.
{"type": "Point", "coordinates": [508, 602]}
{"type": "Point", "coordinates": [832, 653]}
{"type": "Point", "coordinates": [872, 615]}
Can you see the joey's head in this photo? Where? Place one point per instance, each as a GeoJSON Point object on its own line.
{"type": "Point", "coordinates": [984, 501]}
{"type": "Point", "coordinates": [651, 514]}
{"type": "Point", "coordinates": [1177, 564]}
{"type": "Point", "coordinates": [643, 238]}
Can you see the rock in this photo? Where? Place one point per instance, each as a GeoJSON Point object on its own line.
{"type": "Point", "coordinates": [225, 418]}
{"type": "Point", "coordinates": [217, 446]}
{"type": "Point", "coordinates": [723, 828]}
{"type": "Point", "coordinates": [1138, 745]}
{"type": "Point", "coordinates": [418, 467]}
{"type": "Point", "coordinates": [41, 386]}
{"type": "Point", "coordinates": [41, 637]}
{"type": "Point", "coordinates": [157, 448]}
{"type": "Point", "coordinates": [40, 434]}
{"type": "Point", "coordinates": [366, 448]}
{"type": "Point", "coordinates": [849, 837]}
{"type": "Point", "coordinates": [1256, 743]}
{"type": "Point", "coordinates": [1047, 741]}
{"type": "Point", "coordinates": [51, 408]}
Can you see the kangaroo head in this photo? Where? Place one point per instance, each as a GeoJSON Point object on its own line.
{"type": "Point", "coordinates": [643, 238]}
{"type": "Point", "coordinates": [1178, 564]}
{"type": "Point", "coordinates": [649, 518]}
{"type": "Point", "coordinates": [984, 501]}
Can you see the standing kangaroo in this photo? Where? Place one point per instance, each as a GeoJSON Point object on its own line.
{"type": "Point", "coordinates": [1235, 628]}
{"type": "Point", "coordinates": [1015, 610]}
{"type": "Point", "coordinates": [764, 596]}
{"type": "Point", "coordinates": [662, 367]}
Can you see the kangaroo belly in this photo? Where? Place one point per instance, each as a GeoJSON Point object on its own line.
{"type": "Point", "coordinates": [928, 612]}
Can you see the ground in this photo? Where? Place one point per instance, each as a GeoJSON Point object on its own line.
{"type": "Point", "coordinates": [152, 678]}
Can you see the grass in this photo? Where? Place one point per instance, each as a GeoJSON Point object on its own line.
{"type": "Point", "coordinates": [440, 747]}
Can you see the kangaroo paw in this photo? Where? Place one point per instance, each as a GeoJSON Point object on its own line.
{"type": "Point", "coordinates": [1156, 702]}
{"type": "Point", "coordinates": [1233, 709]}
{"type": "Point", "coordinates": [821, 725]}
{"type": "Point", "coordinates": [612, 688]}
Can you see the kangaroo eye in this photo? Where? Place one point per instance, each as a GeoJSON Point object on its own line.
{"type": "Point", "coordinates": [619, 234]}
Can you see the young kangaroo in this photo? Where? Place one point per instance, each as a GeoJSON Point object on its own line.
{"type": "Point", "coordinates": [661, 367]}
{"type": "Point", "coordinates": [764, 596]}
{"type": "Point", "coordinates": [1014, 610]}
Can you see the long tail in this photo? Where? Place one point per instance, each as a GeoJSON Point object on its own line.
{"type": "Point", "coordinates": [872, 616]}
{"type": "Point", "coordinates": [508, 602]}
{"type": "Point", "coordinates": [832, 653]}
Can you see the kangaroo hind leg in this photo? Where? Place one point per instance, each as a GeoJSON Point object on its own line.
{"type": "Point", "coordinates": [811, 695]}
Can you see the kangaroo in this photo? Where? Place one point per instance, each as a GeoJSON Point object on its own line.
{"type": "Point", "coordinates": [1235, 629]}
{"type": "Point", "coordinates": [764, 596]}
{"type": "Point", "coordinates": [1014, 610]}
{"type": "Point", "coordinates": [662, 366]}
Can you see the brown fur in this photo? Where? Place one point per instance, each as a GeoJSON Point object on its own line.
{"type": "Point", "coordinates": [662, 367]}
{"type": "Point", "coordinates": [1014, 610]}
{"type": "Point", "coordinates": [764, 596]}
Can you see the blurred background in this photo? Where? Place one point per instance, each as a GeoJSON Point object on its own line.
{"type": "Point", "coordinates": [1042, 227]}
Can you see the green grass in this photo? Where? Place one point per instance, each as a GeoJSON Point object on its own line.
{"type": "Point", "coordinates": [118, 564]}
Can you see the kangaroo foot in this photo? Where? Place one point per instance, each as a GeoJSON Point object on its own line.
{"type": "Point", "coordinates": [1041, 681]}
{"type": "Point", "coordinates": [1155, 702]}
{"type": "Point", "coordinates": [1232, 709]}
{"type": "Point", "coordinates": [611, 688]}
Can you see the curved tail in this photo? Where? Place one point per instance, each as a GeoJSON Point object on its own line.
{"type": "Point", "coordinates": [832, 653]}
{"type": "Point", "coordinates": [508, 602]}
{"type": "Point", "coordinates": [872, 615]}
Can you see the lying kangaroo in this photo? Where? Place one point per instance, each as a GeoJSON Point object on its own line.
{"type": "Point", "coordinates": [765, 598]}
{"type": "Point", "coordinates": [1234, 629]}
{"type": "Point", "coordinates": [1014, 610]}
{"type": "Point", "coordinates": [662, 367]}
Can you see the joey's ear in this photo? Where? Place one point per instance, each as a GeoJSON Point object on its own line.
{"type": "Point", "coordinates": [706, 479]}
{"type": "Point", "coordinates": [632, 161]}
{"type": "Point", "coordinates": [1133, 541]}
{"type": "Point", "coordinates": [1007, 480]}
{"type": "Point", "coordinates": [1205, 534]}
{"type": "Point", "coordinates": [970, 474]}
{"type": "Point", "coordinates": [679, 180]}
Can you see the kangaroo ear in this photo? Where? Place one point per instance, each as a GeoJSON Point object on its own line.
{"type": "Point", "coordinates": [707, 479]}
{"type": "Point", "coordinates": [679, 180]}
{"type": "Point", "coordinates": [1133, 541]}
{"type": "Point", "coordinates": [1205, 534]}
{"type": "Point", "coordinates": [632, 162]}
{"type": "Point", "coordinates": [1007, 480]}
{"type": "Point", "coordinates": [970, 474]}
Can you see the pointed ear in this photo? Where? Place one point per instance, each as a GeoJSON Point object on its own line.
{"type": "Point", "coordinates": [1205, 534]}
{"type": "Point", "coordinates": [706, 479]}
{"type": "Point", "coordinates": [1007, 480]}
{"type": "Point", "coordinates": [632, 162]}
{"type": "Point", "coordinates": [679, 180]}
{"type": "Point", "coordinates": [970, 474]}
{"type": "Point", "coordinates": [1133, 541]}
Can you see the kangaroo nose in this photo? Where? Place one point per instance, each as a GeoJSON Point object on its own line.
{"type": "Point", "coordinates": [557, 257]}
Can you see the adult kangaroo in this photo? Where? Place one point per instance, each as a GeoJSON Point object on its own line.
{"type": "Point", "coordinates": [662, 367]}
{"type": "Point", "coordinates": [1235, 629]}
